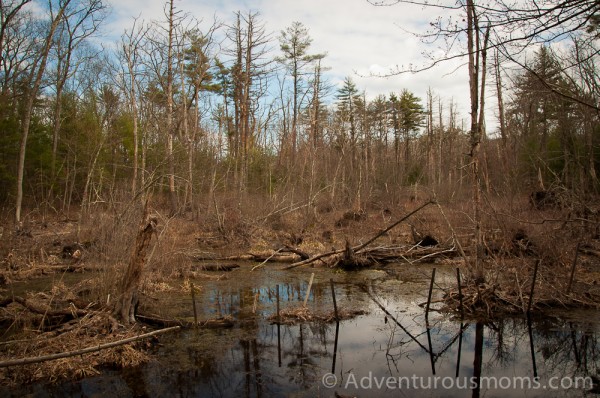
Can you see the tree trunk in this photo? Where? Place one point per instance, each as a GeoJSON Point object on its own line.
{"type": "Point", "coordinates": [125, 307]}
{"type": "Point", "coordinates": [170, 132]}
{"type": "Point", "coordinates": [474, 51]}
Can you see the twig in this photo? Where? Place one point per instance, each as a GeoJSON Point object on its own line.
{"type": "Point", "coordinates": [573, 268]}
{"type": "Point", "coordinates": [454, 236]}
{"type": "Point", "coordinates": [267, 259]}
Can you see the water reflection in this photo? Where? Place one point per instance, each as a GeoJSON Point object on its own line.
{"type": "Point", "coordinates": [393, 342]}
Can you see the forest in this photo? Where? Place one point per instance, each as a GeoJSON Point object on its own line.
{"type": "Point", "coordinates": [196, 139]}
{"type": "Point", "coordinates": [190, 115]}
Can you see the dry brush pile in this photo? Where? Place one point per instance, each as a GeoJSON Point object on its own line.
{"type": "Point", "coordinates": [42, 326]}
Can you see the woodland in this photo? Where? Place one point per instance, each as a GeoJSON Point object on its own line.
{"type": "Point", "coordinates": [134, 160]}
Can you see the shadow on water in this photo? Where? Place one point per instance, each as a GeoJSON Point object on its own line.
{"type": "Point", "coordinates": [391, 351]}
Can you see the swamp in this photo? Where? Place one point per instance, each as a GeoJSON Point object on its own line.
{"type": "Point", "coordinates": [341, 198]}
{"type": "Point", "coordinates": [271, 314]}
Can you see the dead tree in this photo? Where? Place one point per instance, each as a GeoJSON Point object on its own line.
{"type": "Point", "coordinates": [125, 307]}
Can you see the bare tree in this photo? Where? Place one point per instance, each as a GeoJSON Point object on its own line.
{"type": "Point", "coordinates": [81, 20]}
{"type": "Point", "coordinates": [169, 94]}
{"type": "Point", "coordinates": [8, 13]}
{"type": "Point", "coordinates": [249, 69]}
{"type": "Point", "coordinates": [130, 54]}
{"type": "Point", "coordinates": [38, 68]}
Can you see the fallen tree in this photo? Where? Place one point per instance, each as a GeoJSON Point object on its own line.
{"type": "Point", "coordinates": [352, 259]}
{"type": "Point", "coordinates": [359, 256]}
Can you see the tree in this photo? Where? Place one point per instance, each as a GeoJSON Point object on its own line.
{"type": "Point", "coordinates": [248, 71]}
{"type": "Point", "coordinates": [449, 32]}
{"type": "Point", "coordinates": [477, 55]}
{"type": "Point", "coordinates": [410, 119]}
{"type": "Point", "coordinates": [34, 81]}
{"type": "Point", "coordinates": [161, 54]}
{"type": "Point", "coordinates": [512, 29]}
{"type": "Point", "coordinates": [169, 94]}
{"type": "Point", "coordinates": [294, 43]}
{"type": "Point", "coordinates": [196, 68]}
{"type": "Point", "coordinates": [348, 97]}
{"type": "Point", "coordinates": [80, 21]}
{"type": "Point", "coordinates": [551, 125]}
{"type": "Point", "coordinates": [130, 54]}
{"type": "Point", "coordinates": [9, 11]}
{"type": "Point", "coordinates": [319, 89]}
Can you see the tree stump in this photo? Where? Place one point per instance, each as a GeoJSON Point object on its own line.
{"type": "Point", "coordinates": [125, 307]}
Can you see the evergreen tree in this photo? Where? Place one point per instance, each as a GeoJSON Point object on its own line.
{"type": "Point", "coordinates": [294, 43]}
{"type": "Point", "coordinates": [348, 98]}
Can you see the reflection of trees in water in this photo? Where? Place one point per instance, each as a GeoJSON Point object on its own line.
{"type": "Point", "coordinates": [504, 338]}
{"type": "Point", "coordinates": [564, 349]}
{"type": "Point", "coordinates": [303, 347]}
{"type": "Point", "coordinates": [245, 361]}
{"type": "Point", "coordinates": [563, 346]}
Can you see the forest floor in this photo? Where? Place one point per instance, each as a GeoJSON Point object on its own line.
{"type": "Point", "coordinates": [66, 313]}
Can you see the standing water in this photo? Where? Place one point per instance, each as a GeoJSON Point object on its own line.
{"type": "Point", "coordinates": [393, 350]}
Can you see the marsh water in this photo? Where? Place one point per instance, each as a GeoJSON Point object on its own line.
{"type": "Point", "coordinates": [392, 350]}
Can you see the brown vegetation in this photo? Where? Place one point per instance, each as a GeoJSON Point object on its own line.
{"type": "Point", "coordinates": [515, 237]}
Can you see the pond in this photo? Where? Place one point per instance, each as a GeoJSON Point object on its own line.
{"type": "Point", "coordinates": [392, 350]}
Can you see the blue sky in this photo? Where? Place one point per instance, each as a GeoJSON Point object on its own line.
{"type": "Point", "coordinates": [358, 37]}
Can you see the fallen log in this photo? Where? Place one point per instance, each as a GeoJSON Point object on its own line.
{"type": "Point", "coordinates": [385, 255]}
{"type": "Point", "coordinates": [215, 267]}
{"type": "Point", "coordinates": [214, 323]}
{"type": "Point", "coordinates": [315, 258]}
{"type": "Point", "coordinates": [43, 310]}
{"type": "Point", "coordinates": [78, 267]}
{"type": "Point", "coordinates": [303, 255]}
{"type": "Point", "coordinates": [50, 357]}
{"type": "Point", "coordinates": [255, 257]}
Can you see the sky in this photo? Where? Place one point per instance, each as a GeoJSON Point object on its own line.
{"type": "Point", "coordinates": [359, 39]}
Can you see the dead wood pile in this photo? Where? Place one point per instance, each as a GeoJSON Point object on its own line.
{"type": "Point", "coordinates": [367, 257]}
{"type": "Point", "coordinates": [509, 291]}
{"type": "Point", "coordinates": [89, 331]}
{"type": "Point", "coordinates": [56, 336]}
